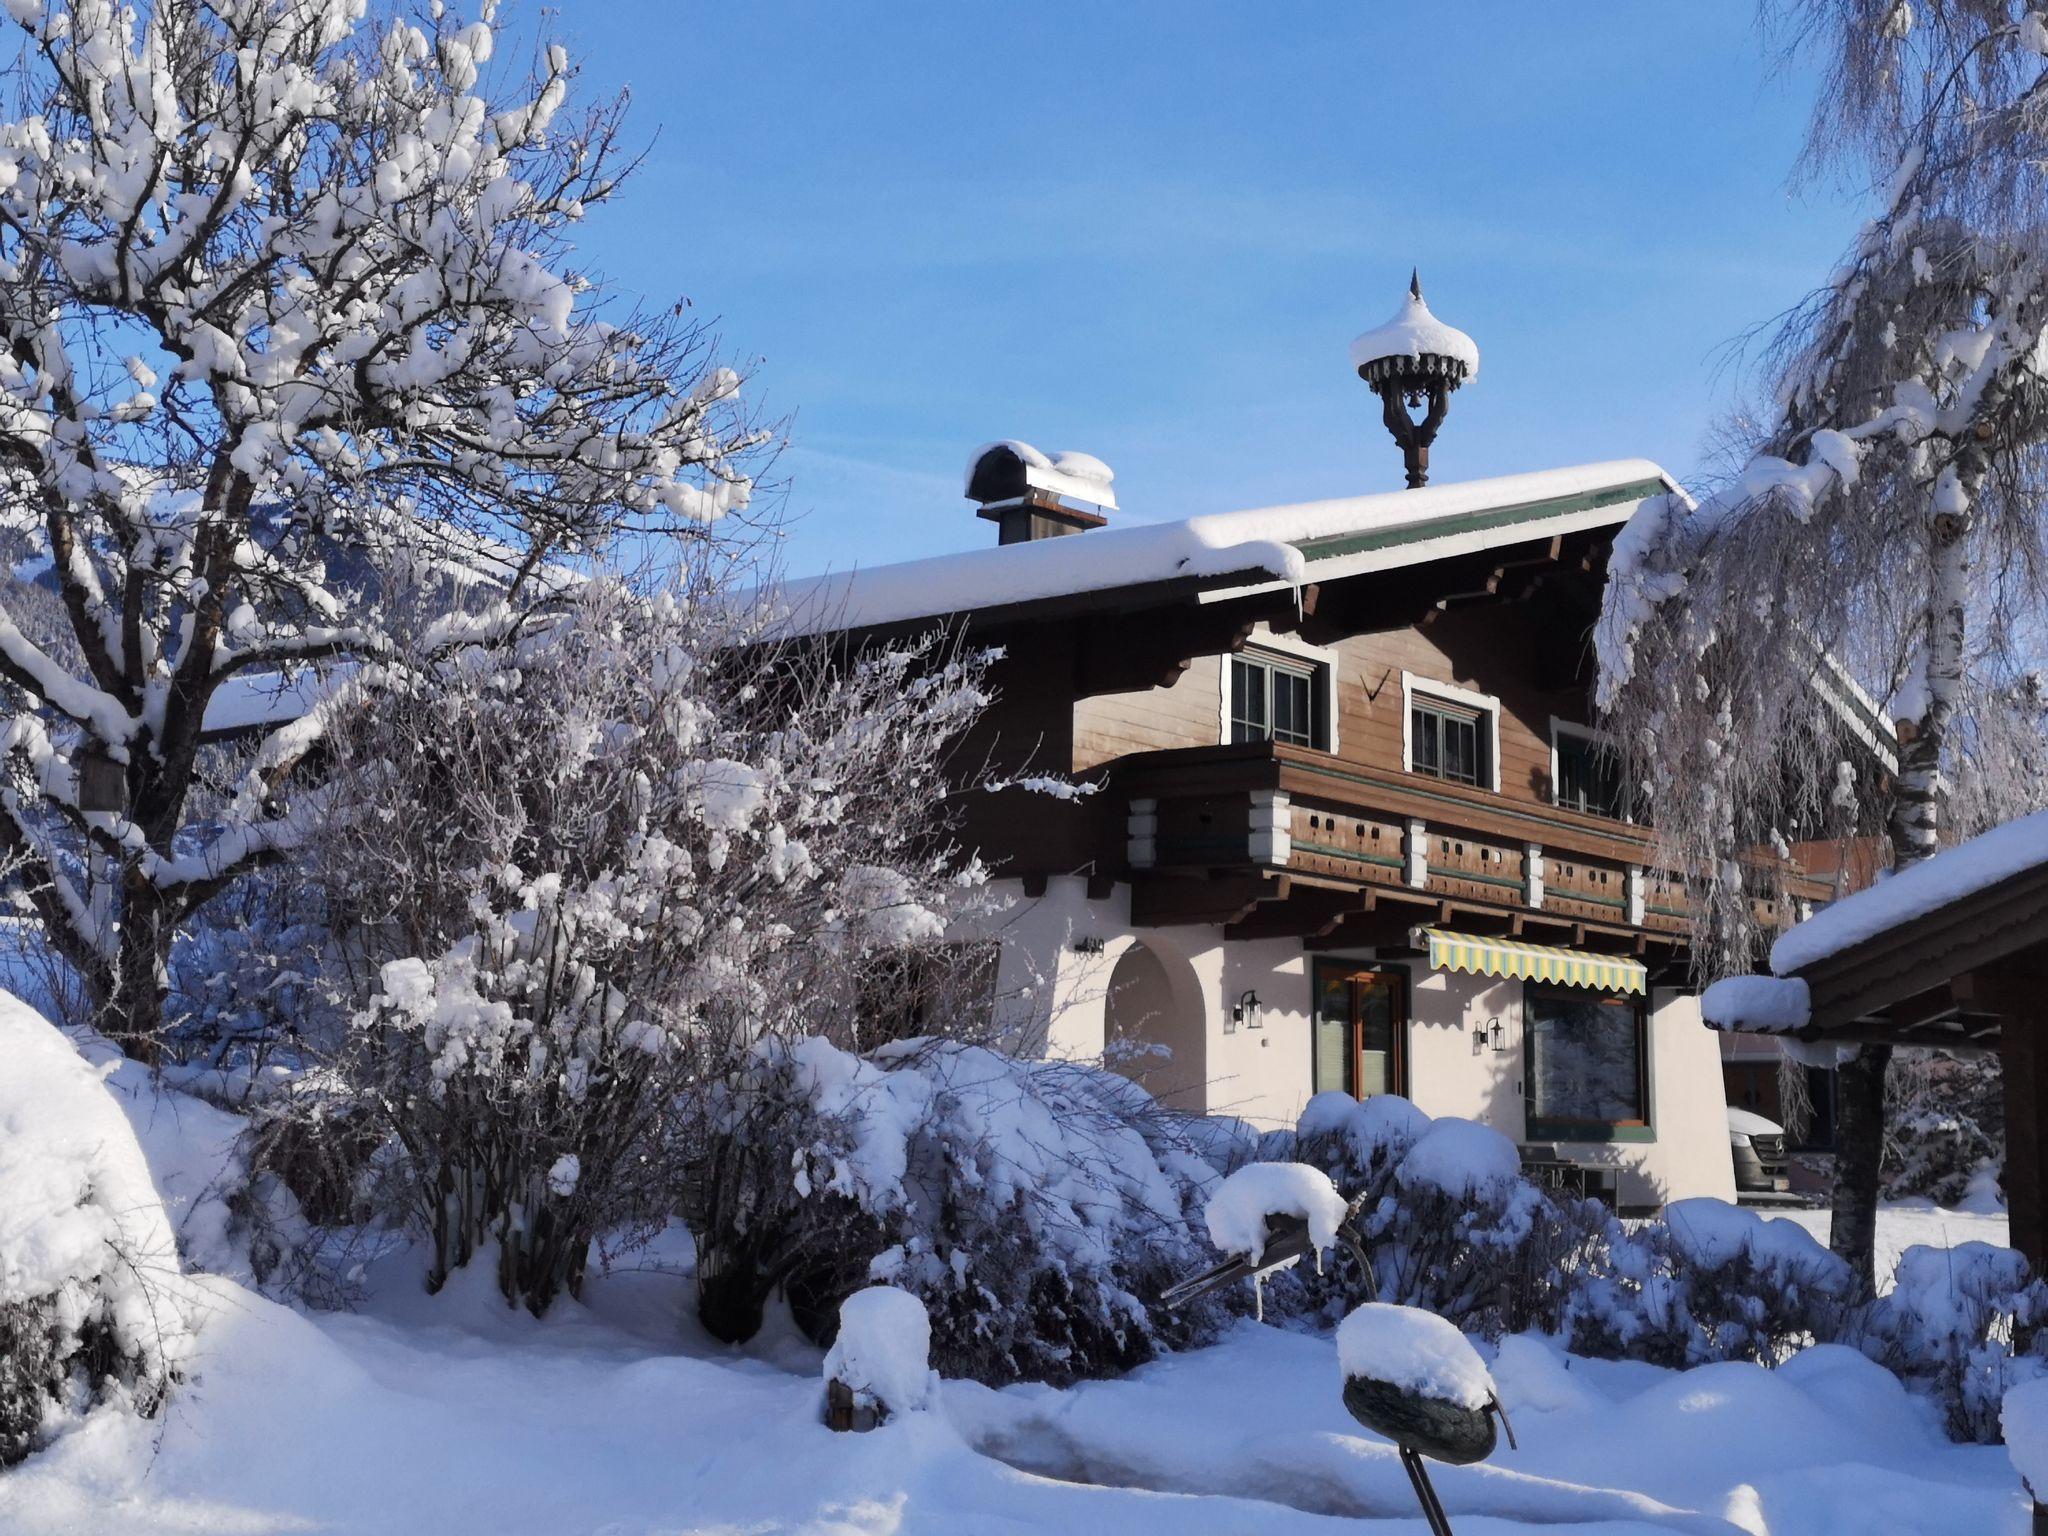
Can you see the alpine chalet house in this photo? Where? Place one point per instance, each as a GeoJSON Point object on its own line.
{"type": "Point", "coordinates": [1348, 827]}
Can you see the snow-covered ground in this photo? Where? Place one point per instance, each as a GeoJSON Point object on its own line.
{"type": "Point", "coordinates": [1902, 1224]}
{"type": "Point", "coordinates": [450, 1415]}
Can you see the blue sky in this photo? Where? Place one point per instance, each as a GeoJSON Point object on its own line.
{"type": "Point", "coordinates": [1150, 231]}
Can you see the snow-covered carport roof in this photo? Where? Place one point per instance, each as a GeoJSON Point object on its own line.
{"type": "Point", "coordinates": [1227, 554]}
{"type": "Point", "coordinates": [1952, 952]}
{"type": "Point", "coordinates": [1940, 954]}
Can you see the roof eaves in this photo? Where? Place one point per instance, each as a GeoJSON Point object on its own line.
{"type": "Point", "coordinates": [1366, 541]}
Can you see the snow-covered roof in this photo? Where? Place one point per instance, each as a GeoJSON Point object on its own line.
{"type": "Point", "coordinates": [1413, 331]}
{"type": "Point", "coordinates": [1230, 552]}
{"type": "Point", "coordinates": [1956, 872]}
{"type": "Point", "coordinates": [257, 701]}
{"type": "Point", "coordinates": [1762, 1005]}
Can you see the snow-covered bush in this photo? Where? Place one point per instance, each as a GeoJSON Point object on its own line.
{"type": "Point", "coordinates": [1959, 1323]}
{"type": "Point", "coordinates": [1710, 1281]}
{"type": "Point", "coordinates": [1037, 1208]}
{"type": "Point", "coordinates": [1945, 1128]}
{"type": "Point", "coordinates": [1449, 1222]}
{"type": "Point", "coordinates": [588, 865]}
{"type": "Point", "coordinates": [91, 1307]}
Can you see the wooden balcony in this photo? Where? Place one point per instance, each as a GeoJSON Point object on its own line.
{"type": "Point", "coordinates": [1271, 839]}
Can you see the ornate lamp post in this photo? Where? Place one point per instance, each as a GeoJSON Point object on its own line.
{"type": "Point", "coordinates": [1412, 361]}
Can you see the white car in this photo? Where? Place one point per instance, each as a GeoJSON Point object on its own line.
{"type": "Point", "coordinates": [1758, 1146]}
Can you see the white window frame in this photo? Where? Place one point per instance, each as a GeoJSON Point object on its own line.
{"type": "Point", "coordinates": [1450, 693]}
{"type": "Point", "coordinates": [1560, 726]}
{"type": "Point", "coordinates": [1286, 648]}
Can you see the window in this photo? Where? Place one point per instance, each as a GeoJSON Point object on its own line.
{"type": "Point", "coordinates": [1588, 1075]}
{"type": "Point", "coordinates": [1450, 741]}
{"type": "Point", "coordinates": [1274, 698]}
{"type": "Point", "coordinates": [1587, 771]}
{"type": "Point", "coordinates": [905, 993]}
{"type": "Point", "coordinates": [1361, 1024]}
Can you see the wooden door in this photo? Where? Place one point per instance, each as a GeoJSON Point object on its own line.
{"type": "Point", "coordinates": [1361, 1030]}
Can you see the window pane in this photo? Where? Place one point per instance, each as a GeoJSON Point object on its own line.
{"type": "Point", "coordinates": [1291, 708]}
{"type": "Point", "coordinates": [1378, 1020]}
{"type": "Point", "coordinates": [1585, 1058]}
{"type": "Point", "coordinates": [1461, 750]}
{"type": "Point", "coordinates": [1588, 776]}
{"type": "Point", "coordinates": [1247, 701]}
{"type": "Point", "coordinates": [1332, 1068]}
{"type": "Point", "coordinates": [1448, 742]}
{"type": "Point", "coordinates": [1423, 728]}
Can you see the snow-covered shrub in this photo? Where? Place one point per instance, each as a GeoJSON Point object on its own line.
{"type": "Point", "coordinates": [253, 981]}
{"type": "Point", "coordinates": [91, 1307]}
{"type": "Point", "coordinates": [1709, 1281]}
{"type": "Point", "coordinates": [1449, 1222]}
{"type": "Point", "coordinates": [588, 866]}
{"type": "Point", "coordinates": [1959, 1323]}
{"type": "Point", "coordinates": [1037, 1208]}
{"type": "Point", "coordinates": [1944, 1127]}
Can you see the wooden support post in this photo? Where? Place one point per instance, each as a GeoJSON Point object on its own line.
{"type": "Point", "coordinates": [2026, 1148]}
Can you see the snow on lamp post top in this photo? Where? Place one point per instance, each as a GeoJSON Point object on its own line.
{"type": "Point", "coordinates": [1413, 361]}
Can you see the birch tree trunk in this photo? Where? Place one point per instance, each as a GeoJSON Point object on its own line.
{"type": "Point", "coordinates": [1914, 826]}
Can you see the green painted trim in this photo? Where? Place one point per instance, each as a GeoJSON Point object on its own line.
{"type": "Point", "coordinates": [1619, 903]}
{"type": "Point", "coordinates": [1382, 860]}
{"type": "Point", "coordinates": [1335, 545]}
{"type": "Point", "coordinates": [1536, 1128]}
{"type": "Point", "coordinates": [1565, 1132]}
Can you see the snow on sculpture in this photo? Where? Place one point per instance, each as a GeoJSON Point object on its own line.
{"type": "Point", "coordinates": [1413, 1377]}
{"type": "Point", "coordinates": [880, 1365]}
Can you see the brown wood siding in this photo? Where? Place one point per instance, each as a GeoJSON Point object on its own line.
{"type": "Point", "coordinates": [1495, 649]}
{"type": "Point", "coordinates": [1113, 725]}
{"type": "Point", "coordinates": [1492, 650]}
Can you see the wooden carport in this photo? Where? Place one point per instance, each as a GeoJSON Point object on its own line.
{"type": "Point", "coordinates": [1952, 953]}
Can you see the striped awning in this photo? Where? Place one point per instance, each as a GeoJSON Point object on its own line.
{"type": "Point", "coordinates": [1478, 956]}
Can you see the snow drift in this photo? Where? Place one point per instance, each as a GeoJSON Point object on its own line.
{"type": "Point", "coordinates": [90, 1305]}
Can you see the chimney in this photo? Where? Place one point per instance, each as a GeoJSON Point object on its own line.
{"type": "Point", "coordinates": [1032, 495]}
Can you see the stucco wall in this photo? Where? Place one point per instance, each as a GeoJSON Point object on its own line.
{"type": "Point", "coordinates": [1054, 995]}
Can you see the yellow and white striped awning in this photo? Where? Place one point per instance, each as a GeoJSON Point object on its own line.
{"type": "Point", "coordinates": [1478, 956]}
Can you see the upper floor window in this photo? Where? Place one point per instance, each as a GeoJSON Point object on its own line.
{"type": "Point", "coordinates": [1585, 771]}
{"type": "Point", "coordinates": [1276, 698]}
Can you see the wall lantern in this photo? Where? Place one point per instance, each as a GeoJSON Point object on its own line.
{"type": "Point", "coordinates": [102, 782]}
{"type": "Point", "coordinates": [1249, 1012]}
{"type": "Point", "coordinates": [1490, 1035]}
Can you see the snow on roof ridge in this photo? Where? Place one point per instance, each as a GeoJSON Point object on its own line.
{"type": "Point", "coordinates": [1963, 870]}
{"type": "Point", "coordinates": [1259, 542]}
{"type": "Point", "coordinates": [1377, 510]}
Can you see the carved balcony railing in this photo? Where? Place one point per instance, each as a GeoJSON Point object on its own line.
{"type": "Point", "coordinates": [1307, 842]}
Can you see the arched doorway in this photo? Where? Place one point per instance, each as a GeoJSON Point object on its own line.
{"type": "Point", "coordinates": [1153, 1027]}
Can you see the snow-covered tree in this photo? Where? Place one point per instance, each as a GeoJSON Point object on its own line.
{"type": "Point", "coordinates": [286, 285]}
{"type": "Point", "coordinates": [1888, 507]}
{"type": "Point", "coordinates": [584, 870]}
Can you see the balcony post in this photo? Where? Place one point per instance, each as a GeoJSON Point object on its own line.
{"type": "Point", "coordinates": [1532, 873]}
{"type": "Point", "coordinates": [1272, 840]}
{"type": "Point", "coordinates": [1417, 848]}
{"type": "Point", "coordinates": [1141, 833]}
{"type": "Point", "coordinates": [1637, 904]}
